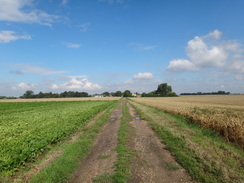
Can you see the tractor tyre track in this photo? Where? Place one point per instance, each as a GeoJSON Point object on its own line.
{"type": "Point", "coordinates": [102, 156]}
{"type": "Point", "coordinates": [154, 162]}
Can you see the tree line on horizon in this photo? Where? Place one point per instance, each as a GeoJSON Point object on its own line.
{"type": "Point", "coordinates": [68, 94]}
{"type": "Point", "coordinates": [207, 93]}
{"type": "Point", "coordinates": [163, 90]}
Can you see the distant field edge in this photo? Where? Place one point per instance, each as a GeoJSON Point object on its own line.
{"type": "Point", "coordinates": [59, 99]}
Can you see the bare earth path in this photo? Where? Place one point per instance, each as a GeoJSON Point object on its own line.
{"type": "Point", "coordinates": [153, 163]}
{"type": "Point", "coordinates": [158, 165]}
{"type": "Point", "coordinates": [101, 159]}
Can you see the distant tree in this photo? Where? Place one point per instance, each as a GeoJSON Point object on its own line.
{"type": "Point", "coordinates": [41, 95]}
{"type": "Point", "coordinates": [163, 89]}
{"type": "Point", "coordinates": [84, 94]}
{"type": "Point", "coordinates": [55, 95]}
{"type": "Point", "coordinates": [112, 93]}
{"type": "Point", "coordinates": [64, 94]}
{"type": "Point", "coordinates": [118, 94]}
{"type": "Point", "coordinates": [28, 94]}
{"type": "Point", "coordinates": [127, 93]}
{"type": "Point", "coordinates": [106, 94]}
{"type": "Point", "coordinates": [71, 94]}
{"type": "Point", "coordinates": [49, 95]}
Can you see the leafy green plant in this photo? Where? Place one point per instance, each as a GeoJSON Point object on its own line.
{"type": "Point", "coordinates": [28, 129]}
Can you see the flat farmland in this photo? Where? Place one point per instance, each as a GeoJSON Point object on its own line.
{"type": "Point", "coordinates": [224, 114]}
{"type": "Point", "coordinates": [59, 99]}
{"type": "Point", "coordinates": [29, 128]}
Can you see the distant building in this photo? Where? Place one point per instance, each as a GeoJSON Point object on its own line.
{"type": "Point", "coordinates": [98, 95]}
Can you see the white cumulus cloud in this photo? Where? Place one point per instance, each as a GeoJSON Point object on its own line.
{"type": "Point", "coordinates": [204, 55]}
{"type": "Point", "coordinates": [77, 83]}
{"type": "Point", "coordinates": [216, 34]}
{"type": "Point", "coordinates": [15, 10]}
{"type": "Point", "coordinates": [181, 65]}
{"type": "Point", "coordinates": [24, 86]}
{"type": "Point", "coordinates": [7, 36]}
{"type": "Point", "coordinates": [210, 51]}
{"type": "Point", "coordinates": [145, 75]}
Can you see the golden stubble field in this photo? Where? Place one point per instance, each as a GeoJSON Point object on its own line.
{"type": "Point", "coordinates": [224, 114]}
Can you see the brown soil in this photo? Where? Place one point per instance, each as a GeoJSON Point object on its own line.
{"type": "Point", "coordinates": [102, 157]}
{"type": "Point", "coordinates": [154, 162]}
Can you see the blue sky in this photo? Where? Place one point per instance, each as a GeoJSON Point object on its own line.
{"type": "Point", "coordinates": [110, 45]}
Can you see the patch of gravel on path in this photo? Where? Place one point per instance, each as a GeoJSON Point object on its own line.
{"type": "Point", "coordinates": [102, 156]}
{"type": "Point", "coordinates": [154, 162]}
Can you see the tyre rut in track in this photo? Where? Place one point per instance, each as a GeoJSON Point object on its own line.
{"type": "Point", "coordinates": [154, 163]}
{"type": "Point", "coordinates": [102, 156]}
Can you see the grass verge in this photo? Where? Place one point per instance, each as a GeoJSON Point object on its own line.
{"type": "Point", "coordinates": [125, 153]}
{"type": "Point", "coordinates": [64, 165]}
{"type": "Point", "coordinates": [206, 156]}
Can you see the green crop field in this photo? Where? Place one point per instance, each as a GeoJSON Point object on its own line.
{"type": "Point", "coordinates": [28, 129]}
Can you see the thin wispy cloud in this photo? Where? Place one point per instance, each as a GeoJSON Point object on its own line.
{"type": "Point", "coordinates": [112, 1]}
{"type": "Point", "coordinates": [18, 72]}
{"type": "Point", "coordinates": [115, 74]}
{"type": "Point", "coordinates": [72, 45]}
{"type": "Point", "coordinates": [64, 2]}
{"type": "Point", "coordinates": [142, 47]}
{"type": "Point", "coordinates": [85, 27]}
{"type": "Point", "coordinates": [28, 68]}
{"type": "Point", "coordinates": [7, 36]}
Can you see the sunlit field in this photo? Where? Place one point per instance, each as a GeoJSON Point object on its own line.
{"type": "Point", "coordinates": [59, 99]}
{"type": "Point", "coordinates": [30, 128]}
{"type": "Point", "coordinates": [224, 114]}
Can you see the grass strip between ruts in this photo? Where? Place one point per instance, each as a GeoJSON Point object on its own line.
{"type": "Point", "coordinates": [125, 153]}
{"type": "Point", "coordinates": [64, 166]}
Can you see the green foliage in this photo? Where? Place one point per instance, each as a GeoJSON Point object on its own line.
{"type": "Point", "coordinates": [106, 94]}
{"type": "Point", "coordinates": [62, 169]}
{"type": "Point", "coordinates": [172, 166]}
{"type": "Point", "coordinates": [163, 90]}
{"type": "Point", "coordinates": [30, 94]}
{"type": "Point", "coordinates": [127, 93]}
{"type": "Point", "coordinates": [28, 129]}
{"type": "Point", "coordinates": [117, 94]}
{"type": "Point", "coordinates": [105, 178]}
